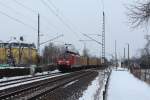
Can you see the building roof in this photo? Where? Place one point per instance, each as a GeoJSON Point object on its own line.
{"type": "Point", "coordinates": [16, 45]}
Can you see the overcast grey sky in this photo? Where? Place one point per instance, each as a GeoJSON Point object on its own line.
{"type": "Point", "coordinates": [83, 16]}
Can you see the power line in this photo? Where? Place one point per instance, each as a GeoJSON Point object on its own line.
{"type": "Point", "coordinates": [57, 15]}
{"type": "Point", "coordinates": [26, 7]}
{"type": "Point", "coordinates": [52, 39]}
{"type": "Point", "coordinates": [49, 22]}
{"type": "Point", "coordinates": [53, 5]}
{"type": "Point", "coordinates": [17, 20]}
{"type": "Point", "coordinates": [60, 13]}
{"type": "Point", "coordinates": [44, 3]}
{"type": "Point", "coordinates": [92, 39]}
{"type": "Point", "coordinates": [16, 12]}
{"type": "Point", "coordinates": [34, 12]}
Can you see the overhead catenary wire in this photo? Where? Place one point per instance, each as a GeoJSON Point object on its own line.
{"type": "Point", "coordinates": [51, 10]}
{"type": "Point", "coordinates": [92, 39]}
{"type": "Point", "coordinates": [17, 20]}
{"type": "Point", "coordinates": [26, 7]}
{"type": "Point", "coordinates": [59, 17]}
{"type": "Point", "coordinates": [49, 22]}
{"type": "Point", "coordinates": [52, 39]}
{"type": "Point", "coordinates": [50, 2]}
{"type": "Point", "coordinates": [58, 11]}
{"type": "Point", "coordinates": [36, 13]}
{"type": "Point", "coordinates": [16, 12]}
{"type": "Point", "coordinates": [62, 15]}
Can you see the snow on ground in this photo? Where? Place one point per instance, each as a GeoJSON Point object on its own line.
{"type": "Point", "coordinates": [11, 67]}
{"type": "Point", "coordinates": [124, 86]}
{"type": "Point", "coordinates": [55, 71]}
{"type": "Point", "coordinates": [94, 91]}
{"type": "Point", "coordinates": [15, 77]}
{"type": "Point", "coordinates": [31, 81]}
{"type": "Point", "coordinates": [91, 91]}
{"type": "Point", "coordinates": [48, 72]}
{"type": "Point", "coordinates": [70, 83]}
{"type": "Point", "coordinates": [19, 77]}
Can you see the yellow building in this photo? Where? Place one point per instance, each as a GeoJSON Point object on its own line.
{"type": "Point", "coordinates": [21, 53]}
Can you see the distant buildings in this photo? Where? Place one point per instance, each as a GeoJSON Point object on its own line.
{"type": "Point", "coordinates": [16, 53]}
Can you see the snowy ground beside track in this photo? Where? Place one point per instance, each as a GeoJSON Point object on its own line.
{"type": "Point", "coordinates": [31, 81]}
{"type": "Point", "coordinates": [19, 77]}
{"type": "Point", "coordinates": [94, 91]}
{"type": "Point", "coordinates": [124, 86]}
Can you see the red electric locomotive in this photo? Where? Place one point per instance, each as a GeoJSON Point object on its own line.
{"type": "Point", "coordinates": [67, 61]}
{"type": "Point", "coordinates": [70, 61]}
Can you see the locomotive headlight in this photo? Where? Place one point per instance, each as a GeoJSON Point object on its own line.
{"type": "Point", "coordinates": [67, 62]}
{"type": "Point", "coordinates": [59, 62]}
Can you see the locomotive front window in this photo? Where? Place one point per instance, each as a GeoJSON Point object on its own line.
{"type": "Point", "coordinates": [66, 56]}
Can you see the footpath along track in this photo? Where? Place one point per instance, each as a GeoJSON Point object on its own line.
{"type": "Point", "coordinates": [24, 79]}
{"type": "Point", "coordinates": [39, 89]}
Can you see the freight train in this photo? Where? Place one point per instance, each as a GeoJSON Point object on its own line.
{"type": "Point", "coordinates": [71, 61]}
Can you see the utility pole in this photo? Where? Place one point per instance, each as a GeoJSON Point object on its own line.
{"type": "Point", "coordinates": [103, 39]}
{"type": "Point", "coordinates": [116, 53]}
{"type": "Point", "coordinates": [128, 56]}
{"type": "Point", "coordinates": [124, 53]}
{"type": "Point", "coordinates": [124, 58]}
{"type": "Point", "coordinates": [38, 40]}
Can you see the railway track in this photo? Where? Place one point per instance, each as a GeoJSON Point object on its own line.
{"type": "Point", "coordinates": [39, 89]}
{"type": "Point", "coordinates": [24, 79]}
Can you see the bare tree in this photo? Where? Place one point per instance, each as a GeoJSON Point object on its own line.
{"type": "Point", "coordinates": [139, 14]}
{"type": "Point", "coordinates": [145, 53]}
{"type": "Point", "coordinates": [51, 53]}
{"type": "Point", "coordinates": [86, 52]}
